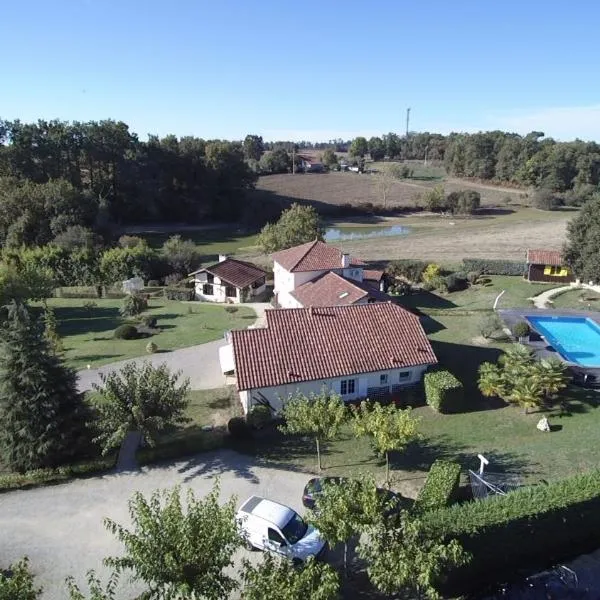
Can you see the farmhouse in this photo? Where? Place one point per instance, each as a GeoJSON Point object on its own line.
{"type": "Point", "coordinates": [316, 274]}
{"type": "Point", "coordinates": [229, 280]}
{"type": "Point", "coordinates": [310, 165]}
{"type": "Point", "coordinates": [362, 351]}
{"type": "Point", "coordinates": [547, 266]}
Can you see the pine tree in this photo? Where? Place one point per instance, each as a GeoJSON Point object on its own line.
{"type": "Point", "coordinates": [42, 415]}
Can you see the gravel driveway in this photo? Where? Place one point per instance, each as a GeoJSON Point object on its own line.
{"type": "Point", "coordinates": [60, 527]}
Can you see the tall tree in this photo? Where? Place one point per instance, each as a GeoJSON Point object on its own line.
{"type": "Point", "coordinates": [384, 182]}
{"type": "Point", "coordinates": [582, 249]}
{"type": "Point", "coordinates": [376, 148]}
{"type": "Point", "coordinates": [253, 147]}
{"type": "Point", "coordinates": [179, 547]}
{"type": "Point", "coordinates": [182, 256]}
{"type": "Point", "coordinates": [42, 415]}
{"type": "Point", "coordinates": [359, 147]}
{"type": "Point", "coordinates": [321, 415]}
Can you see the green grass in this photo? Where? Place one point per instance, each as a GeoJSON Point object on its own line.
{"type": "Point", "coordinates": [577, 299]}
{"type": "Point", "coordinates": [88, 334]}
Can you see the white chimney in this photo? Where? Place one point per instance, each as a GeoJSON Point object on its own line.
{"type": "Point", "coordinates": [345, 260]}
{"type": "Point", "coordinates": [222, 257]}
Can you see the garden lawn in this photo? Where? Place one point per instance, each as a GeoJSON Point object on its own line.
{"type": "Point", "coordinates": [87, 333]}
{"type": "Point", "coordinates": [577, 299]}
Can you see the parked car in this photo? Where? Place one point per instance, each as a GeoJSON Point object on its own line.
{"type": "Point", "coordinates": [270, 526]}
{"type": "Point", "coordinates": [314, 488]}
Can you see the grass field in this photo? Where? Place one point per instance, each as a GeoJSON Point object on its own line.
{"type": "Point", "coordinates": [578, 300]}
{"type": "Point", "coordinates": [87, 334]}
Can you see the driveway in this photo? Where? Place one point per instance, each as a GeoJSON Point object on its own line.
{"type": "Point", "coordinates": [199, 363]}
{"type": "Point", "coordinates": [60, 527]}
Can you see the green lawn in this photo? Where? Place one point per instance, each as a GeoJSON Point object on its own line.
{"type": "Point", "coordinates": [578, 300]}
{"type": "Point", "coordinates": [88, 333]}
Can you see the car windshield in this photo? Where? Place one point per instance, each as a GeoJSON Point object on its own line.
{"type": "Point", "coordinates": [295, 529]}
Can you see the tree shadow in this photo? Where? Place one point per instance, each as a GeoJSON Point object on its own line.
{"type": "Point", "coordinates": [423, 299]}
{"type": "Point", "coordinates": [492, 211]}
{"type": "Point", "coordinates": [213, 464]}
{"type": "Point", "coordinates": [95, 357]}
{"type": "Point", "coordinates": [78, 320]}
{"type": "Point", "coordinates": [220, 403]}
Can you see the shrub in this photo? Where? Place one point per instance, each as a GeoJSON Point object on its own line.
{"type": "Point", "coordinates": [473, 277]}
{"type": "Point", "coordinates": [125, 332]}
{"type": "Point", "coordinates": [521, 329]}
{"type": "Point", "coordinates": [133, 304]}
{"type": "Point", "coordinates": [90, 305]}
{"type": "Point", "coordinates": [431, 272]}
{"type": "Point", "coordinates": [494, 267]}
{"type": "Point", "coordinates": [527, 530]}
{"type": "Point", "coordinates": [238, 428]}
{"type": "Point", "coordinates": [148, 321]}
{"type": "Point", "coordinates": [546, 199]}
{"type": "Point", "coordinates": [400, 288]}
{"type": "Point", "coordinates": [153, 283]}
{"type": "Point", "coordinates": [454, 282]}
{"type": "Point", "coordinates": [428, 286]}
{"type": "Point", "coordinates": [489, 325]}
{"type": "Point", "coordinates": [173, 279]}
{"type": "Point", "coordinates": [412, 270]}
{"type": "Point", "coordinates": [181, 294]}
{"type": "Point", "coordinates": [443, 391]}
{"type": "Point", "coordinates": [231, 309]}
{"type": "Point", "coordinates": [259, 416]}
{"type": "Point", "coordinates": [151, 348]}
{"type": "Point", "coordinates": [441, 486]}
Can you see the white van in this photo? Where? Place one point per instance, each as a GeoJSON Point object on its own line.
{"type": "Point", "coordinates": [268, 525]}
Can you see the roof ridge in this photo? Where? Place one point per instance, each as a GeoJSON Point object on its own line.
{"type": "Point", "coordinates": [312, 245]}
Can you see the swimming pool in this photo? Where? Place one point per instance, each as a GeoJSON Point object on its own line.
{"type": "Point", "coordinates": [577, 339]}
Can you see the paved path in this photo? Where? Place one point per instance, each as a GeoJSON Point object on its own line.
{"type": "Point", "coordinates": [60, 527]}
{"type": "Point", "coordinates": [542, 300]}
{"type": "Point", "coordinates": [199, 363]}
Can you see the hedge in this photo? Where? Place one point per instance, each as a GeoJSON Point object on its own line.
{"type": "Point", "coordinates": [407, 267]}
{"type": "Point", "coordinates": [13, 481]}
{"type": "Point", "coordinates": [494, 267]}
{"type": "Point", "coordinates": [441, 486]}
{"type": "Point", "coordinates": [527, 530]}
{"type": "Point", "coordinates": [182, 294]}
{"type": "Point", "coordinates": [443, 391]}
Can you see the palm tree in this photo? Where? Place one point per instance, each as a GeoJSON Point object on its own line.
{"type": "Point", "coordinates": [551, 374]}
{"type": "Point", "coordinates": [491, 381]}
{"type": "Point", "coordinates": [526, 392]}
{"type": "Point", "coordinates": [516, 357]}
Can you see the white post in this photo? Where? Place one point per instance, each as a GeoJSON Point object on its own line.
{"type": "Point", "coordinates": [483, 462]}
{"type": "Point", "coordinates": [498, 298]}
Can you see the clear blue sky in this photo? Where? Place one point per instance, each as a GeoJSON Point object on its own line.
{"type": "Point", "coordinates": [304, 70]}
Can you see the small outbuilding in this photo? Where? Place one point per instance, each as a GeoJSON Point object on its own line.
{"type": "Point", "coordinates": [547, 266]}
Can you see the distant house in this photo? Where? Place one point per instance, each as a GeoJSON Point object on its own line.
{"type": "Point", "coordinates": [547, 266]}
{"type": "Point", "coordinates": [310, 164]}
{"type": "Point", "coordinates": [317, 274]}
{"type": "Point", "coordinates": [229, 280]}
{"type": "Point", "coordinates": [370, 351]}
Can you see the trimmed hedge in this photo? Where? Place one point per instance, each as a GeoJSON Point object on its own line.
{"type": "Point", "coordinates": [441, 486]}
{"type": "Point", "coordinates": [125, 332]}
{"type": "Point", "coordinates": [523, 532]}
{"type": "Point", "coordinates": [181, 294]}
{"type": "Point", "coordinates": [494, 267]}
{"type": "Point", "coordinates": [443, 391]}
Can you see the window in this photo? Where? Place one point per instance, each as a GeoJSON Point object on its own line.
{"type": "Point", "coordinates": [295, 529]}
{"type": "Point", "coordinates": [275, 537]}
{"type": "Point", "coordinates": [404, 375]}
{"type": "Point", "coordinates": [347, 387]}
{"type": "Point", "coordinates": [383, 379]}
{"type": "Point", "coordinates": [230, 291]}
{"type": "Point", "coordinates": [556, 271]}
{"type": "Point", "coordinates": [207, 289]}
{"type": "Point", "coordinates": [210, 278]}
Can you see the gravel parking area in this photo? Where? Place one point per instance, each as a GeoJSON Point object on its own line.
{"type": "Point", "coordinates": [60, 527]}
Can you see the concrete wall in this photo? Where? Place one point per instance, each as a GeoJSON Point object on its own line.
{"type": "Point", "coordinates": [363, 382]}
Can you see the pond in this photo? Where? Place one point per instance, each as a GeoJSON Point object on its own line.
{"type": "Point", "coordinates": [340, 234]}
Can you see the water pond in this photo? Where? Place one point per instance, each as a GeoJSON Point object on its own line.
{"type": "Point", "coordinates": [341, 234]}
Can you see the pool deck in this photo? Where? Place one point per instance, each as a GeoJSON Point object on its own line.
{"type": "Point", "coordinates": [511, 316]}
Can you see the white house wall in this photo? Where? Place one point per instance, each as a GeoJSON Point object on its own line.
{"type": "Point", "coordinates": [278, 394]}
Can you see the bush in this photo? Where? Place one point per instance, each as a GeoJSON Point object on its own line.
{"type": "Point", "coordinates": [151, 348]}
{"type": "Point", "coordinates": [431, 272]}
{"type": "Point", "coordinates": [181, 294]}
{"type": "Point", "coordinates": [412, 270]}
{"type": "Point", "coordinates": [443, 391]}
{"type": "Point", "coordinates": [521, 329]}
{"type": "Point", "coordinates": [454, 282]}
{"type": "Point", "coordinates": [473, 277]}
{"type": "Point", "coordinates": [149, 321]}
{"type": "Point", "coordinates": [546, 199]}
{"type": "Point", "coordinates": [173, 279]}
{"type": "Point", "coordinates": [238, 428]}
{"type": "Point", "coordinates": [125, 332]}
{"type": "Point", "coordinates": [400, 288]}
{"type": "Point", "coordinates": [259, 416]}
{"type": "Point", "coordinates": [489, 325]}
{"type": "Point", "coordinates": [153, 283]}
{"type": "Point", "coordinates": [133, 304]}
{"type": "Point", "coordinates": [441, 486]}
{"type": "Point", "coordinates": [494, 267]}
{"type": "Point", "coordinates": [527, 530]}
{"type": "Point", "coordinates": [428, 286]}
{"type": "Point", "coordinates": [231, 309]}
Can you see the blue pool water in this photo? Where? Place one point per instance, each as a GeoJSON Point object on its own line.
{"type": "Point", "coordinates": [577, 339]}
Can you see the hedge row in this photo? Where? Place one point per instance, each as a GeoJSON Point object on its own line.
{"type": "Point", "coordinates": [525, 531]}
{"type": "Point", "coordinates": [494, 267]}
{"type": "Point", "coordinates": [13, 481]}
{"type": "Point", "coordinates": [441, 486]}
{"type": "Point", "coordinates": [443, 391]}
{"type": "Point", "coordinates": [177, 293]}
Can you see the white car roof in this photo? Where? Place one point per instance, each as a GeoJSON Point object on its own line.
{"type": "Point", "coordinates": [275, 513]}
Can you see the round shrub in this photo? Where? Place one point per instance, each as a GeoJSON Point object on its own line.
{"type": "Point", "coordinates": [521, 329]}
{"type": "Point", "coordinates": [473, 277]}
{"type": "Point", "coordinates": [151, 347]}
{"type": "Point", "coordinates": [455, 282]}
{"type": "Point", "coordinates": [231, 309]}
{"type": "Point", "coordinates": [238, 428]}
{"type": "Point", "coordinates": [148, 321]}
{"type": "Point", "coordinates": [259, 416]}
{"type": "Point", "coordinates": [125, 332]}
{"type": "Point", "coordinates": [133, 304]}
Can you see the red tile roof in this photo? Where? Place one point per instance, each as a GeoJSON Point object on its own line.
{"type": "Point", "coordinates": [372, 274]}
{"type": "Point", "coordinates": [312, 256]}
{"type": "Point", "coordinates": [331, 289]}
{"type": "Point", "coordinates": [305, 344]}
{"type": "Point", "coordinates": [235, 272]}
{"type": "Point", "coordinates": [544, 257]}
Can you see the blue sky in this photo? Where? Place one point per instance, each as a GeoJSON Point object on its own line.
{"type": "Point", "coordinates": [302, 70]}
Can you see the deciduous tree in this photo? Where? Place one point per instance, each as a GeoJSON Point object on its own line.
{"type": "Point", "coordinates": [253, 147]}
{"type": "Point", "coordinates": [359, 147]}
{"type": "Point", "coordinates": [582, 250]}
{"type": "Point", "coordinates": [17, 583]}
{"type": "Point", "coordinates": [181, 255]}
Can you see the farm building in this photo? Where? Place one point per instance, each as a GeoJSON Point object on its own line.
{"type": "Point", "coordinates": [363, 351]}
{"type": "Point", "coordinates": [547, 266]}
{"type": "Point", "coordinates": [316, 274]}
{"type": "Point", "coordinates": [229, 280]}
{"type": "Point", "coordinates": [310, 165]}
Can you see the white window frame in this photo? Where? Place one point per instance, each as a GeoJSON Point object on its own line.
{"type": "Point", "coordinates": [349, 385]}
{"type": "Point", "coordinates": [403, 376]}
{"type": "Point", "coordinates": [384, 379]}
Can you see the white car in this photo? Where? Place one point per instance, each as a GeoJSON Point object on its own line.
{"type": "Point", "coordinates": [270, 526]}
